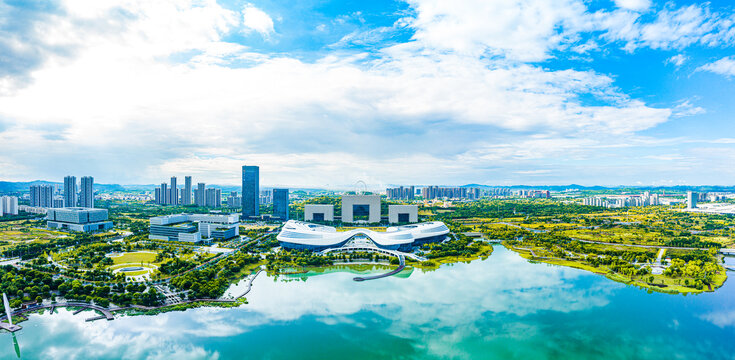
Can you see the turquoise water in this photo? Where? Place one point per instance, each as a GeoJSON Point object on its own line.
{"type": "Point", "coordinates": [500, 308]}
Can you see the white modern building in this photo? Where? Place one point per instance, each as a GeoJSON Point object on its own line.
{"type": "Point", "coordinates": [403, 214]}
{"type": "Point", "coordinates": [306, 236]}
{"type": "Point", "coordinates": [8, 205]}
{"type": "Point", "coordinates": [313, 212]}
{"type": "Point", "coordinates": [361, 209]}
{"type": "Point", "coordinates": [194, 227]}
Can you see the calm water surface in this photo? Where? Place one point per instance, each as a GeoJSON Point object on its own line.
{"type": "Point", "coordinates": [500, 308]}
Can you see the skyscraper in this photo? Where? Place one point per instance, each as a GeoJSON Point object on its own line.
{"type": "Point", "coordinates": [280, 203]}
{"type": "Point", "coordinates": [250, 191]}
{"type": "Point", "coordinates": [692, 198]}
{"type": "Point", "coordinates": [158, 200]}
{"type": "Point", "coordinates": [165, 194]}
{"type": "Point", "coordinates": [186, 194]}
{"type": "Point", "coordinates": [70, 191]}
{"type": "Point", "coordinates": [42, 196]}
{"type": "Point", "coordinates": [86, 195]}
{"type": "Point", "coordinates": [174, 192]}
{"type": "Point", "coordinates": [201, 197]}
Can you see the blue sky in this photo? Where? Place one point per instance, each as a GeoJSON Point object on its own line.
{"type": "Point", "coordinates": [325, 93]}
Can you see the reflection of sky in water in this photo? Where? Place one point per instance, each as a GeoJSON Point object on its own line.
{"type": "Point", "coordinates": [504, 307]}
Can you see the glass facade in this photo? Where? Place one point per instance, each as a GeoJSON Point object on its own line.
{"type": "Point", "coordinates": [250, 191]}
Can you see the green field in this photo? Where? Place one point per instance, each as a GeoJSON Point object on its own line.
{"type": "Point", "coordinates": [134, 258]}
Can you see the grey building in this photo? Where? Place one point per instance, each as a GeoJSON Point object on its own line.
{"type": "Point", "coordinates": [361, 208]}
{"type": "Point", "coordinates": [70, 191]}
{"type": "Point", "coordinates": [174, 191]}
{"type": "Point", "coordinates": [250, 191]}
{"type": "Point", "coordinates": [186, 195]}
{"type": "Point", "coordinates": [158, 199]}
{"type": "Point", "coordinates": [86, 195]}
{"type": "Point", "coordinates": [213, 198]}
{"type": "Point", "coordinates": [42, 196]}
{"type": "Point", "coordinates": [78, 219]}
{"type": "Point", "coordinates": [200, 196]}
{"type": "Point", "coordinates": [165, 194]}
{"type": "Point", "coordinates": [280, 203]}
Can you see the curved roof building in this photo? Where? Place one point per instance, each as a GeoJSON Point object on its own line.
{"type": "Point", "coordinates": [307, 236]}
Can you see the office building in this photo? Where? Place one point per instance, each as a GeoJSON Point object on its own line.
{"type": "Point", "coordinates": [42, 196]}
{"type": "Point", "coordinates": [78, 219]}
{"type": "Point", "coordinates": [70, 191]}
{"type": "Point", "coordinates": [692, 198]}
{"type": "Point", "coordinates": [8, 205]}
{"type": "Point", "coordinates": [403, 214]}
{"type": "Point", "coordinates": [361, 208]}
{"type": "Point", "coordinates": [250, 191]}
{"type": "Point", "coordinates": [194, 227]}
{"type": "Point", "coordinates": [318, 213]}
{"type": "Point", "coordinates": [86, 193]}
{"type": "Point", "coordinates": [174, 192]}
{"type": "Point", "coordinates": [280, 203]}
{"type": "Point", "coordinates": [186, 194]}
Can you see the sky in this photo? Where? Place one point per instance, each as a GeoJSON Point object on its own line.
{"type": "Point", "coordinates": [327, 93]}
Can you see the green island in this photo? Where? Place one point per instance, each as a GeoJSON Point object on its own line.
{"type": "Point", "coordinates": [657, 248]}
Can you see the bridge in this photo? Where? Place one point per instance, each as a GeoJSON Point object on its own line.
{"type": "Point", "coordinates": [106, 313]}
{"type": "Point", "coordinates": [373, 249]}
{"type": "Point", "coordinates": [401, 266]}
{"type": "Point", "coordinates": [727, 251]}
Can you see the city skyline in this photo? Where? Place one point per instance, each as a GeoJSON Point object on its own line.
{"type": "Point", "coordinates": [625, 92]}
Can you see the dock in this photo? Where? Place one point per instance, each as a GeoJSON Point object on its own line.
{"type": "Point", "coordinates": [9, 327]}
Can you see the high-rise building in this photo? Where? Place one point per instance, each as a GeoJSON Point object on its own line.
{"type": "Point", "coordinates": [280, 203]}
{"type": "Point", "coordinates": [8, 205]}
{"type": "Point", "coordinates": [200, 197]}
{"type": "Point", "coordinates": [692, 198]}
{"type": "Point", "coordinates": [42, 196]}
{"type": "Point", "coordinates": [250, 191]}
{"type": "Point", "coordinates": [165, 194]}
{"type": "Point", "coordinates": [174, 192]}
{"type": "Point", "coordinates": [70, 191]}
{"type": "Point", "coordinates": [186, 194]}
{"type": "Point", "coordinates": [159, 200]}
{"type": "Point", "coordinates": [213, 198]}
{"type": "Point", "coordinates": [86, 195]}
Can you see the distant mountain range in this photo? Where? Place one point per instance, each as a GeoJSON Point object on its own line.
{"type": "Point", "coordinates": [15, 187]}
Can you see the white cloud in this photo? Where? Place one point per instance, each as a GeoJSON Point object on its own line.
{"type": "Point", "coordinates": [676, 60]}
{"type": "Point", "coordinates": [685, 108]}
{"type": "Point", "coordinates": [636, 5]}
{"type": "Point", "coordinates": [724, 66]}
{"type": "Point", "coordinates": [161, 90]}
{"type": "Point", "coordinates": [257, 20]}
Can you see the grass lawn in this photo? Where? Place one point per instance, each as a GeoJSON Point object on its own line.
{"type": "Point", "coordinates": [134, 258]}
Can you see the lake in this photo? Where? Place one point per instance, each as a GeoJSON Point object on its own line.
{"type": "Point", "coordinates": [500, 308]}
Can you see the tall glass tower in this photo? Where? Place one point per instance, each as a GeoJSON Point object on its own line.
{"type": "Point", "coordinates": [250, 191]}
{"type": "Point", "coordinates": [280, 203]}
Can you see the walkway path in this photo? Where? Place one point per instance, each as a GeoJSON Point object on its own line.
{"type": "Point", "coordinates": [401, 266]}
